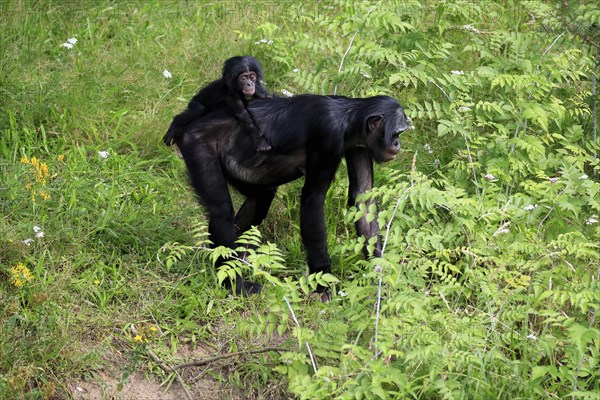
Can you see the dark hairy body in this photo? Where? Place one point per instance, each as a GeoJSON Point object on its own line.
{"type": "Point", "coordinates": [309, 135]}
{"type": "Point", "coordinates": [241, 80]}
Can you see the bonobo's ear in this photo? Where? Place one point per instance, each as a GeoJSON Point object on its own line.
{"type": "Point", "coordinates": [374, 123]}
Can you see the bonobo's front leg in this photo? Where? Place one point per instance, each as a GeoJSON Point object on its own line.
{"type": "Point", "coordinates": [319, 174]}
{"type": "Point", "coordinates": [312, 217]}
{"type": "Point", "coordinates": [360, 177]}
{"type": "Point", "coordinates": [249, 125]}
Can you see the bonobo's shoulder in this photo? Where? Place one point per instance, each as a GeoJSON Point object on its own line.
{"type": "Point", "coordinates": [216, 85]}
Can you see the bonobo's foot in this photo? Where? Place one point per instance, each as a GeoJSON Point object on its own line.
{"type": "Point", "coordinates": [262, 144]}
{"type": "Point", "coordinates": [324, 297]}
{"type": "Point", "coordinates": [243, 287]}
{"type": "Point", "coordinates": [169, 136]}
{"type": "Point", "coordinates": [322, 294]}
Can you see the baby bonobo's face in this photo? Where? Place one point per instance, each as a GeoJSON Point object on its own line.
{"type": "Point", "coordinates": [247, 83]}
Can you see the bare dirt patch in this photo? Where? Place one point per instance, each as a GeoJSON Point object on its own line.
{"type": "Point", "coordinates": [204, 382]}
{"type": "Point", "coordinates": [105, 386]}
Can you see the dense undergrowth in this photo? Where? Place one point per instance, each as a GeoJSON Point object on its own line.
{"type": "Point", "coordinates": [489, 282]}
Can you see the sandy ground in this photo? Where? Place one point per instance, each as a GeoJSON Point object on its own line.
{"type": "Point", "coordinates": [109, 383]}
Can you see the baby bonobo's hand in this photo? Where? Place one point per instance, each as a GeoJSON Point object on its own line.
{"type": "Point", "coordinates": [262, 144]}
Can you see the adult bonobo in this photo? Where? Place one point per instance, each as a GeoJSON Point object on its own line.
{"type": "Point", "coordinates": [309, 135]}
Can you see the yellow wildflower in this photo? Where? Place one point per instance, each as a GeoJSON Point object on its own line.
{"type": "Point", "coordinates": [20, 275]}
{"type": "Point", "coordinates": [37, 179]}
{"type": "Point", "coordinates": [43, 194]}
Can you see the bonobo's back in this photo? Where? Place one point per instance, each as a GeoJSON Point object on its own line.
{"type": "Point", "coordinates": [288, 120]}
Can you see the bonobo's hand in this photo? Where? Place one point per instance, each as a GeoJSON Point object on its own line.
{"type": "Point", "coordinates": [262, 144]}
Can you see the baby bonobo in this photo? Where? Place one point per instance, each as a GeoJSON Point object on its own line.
{"type": "Point", "coordinates": [241, 81]}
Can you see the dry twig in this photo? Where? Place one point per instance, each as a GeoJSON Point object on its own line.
{"type": "Point", "coordinates": [208, 360]}
{"type": "Point", "coordinates": [167, 369]}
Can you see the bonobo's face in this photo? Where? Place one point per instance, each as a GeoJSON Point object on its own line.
{"type": "Point", "coordinates": [246, 82]}
{"type": "Point", "coordinates": [383, 136]}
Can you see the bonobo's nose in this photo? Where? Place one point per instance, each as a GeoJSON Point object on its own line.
{"type": "Point", "coordinates": [395, 146]}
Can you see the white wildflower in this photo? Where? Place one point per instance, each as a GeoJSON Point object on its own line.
{"type": "Point", "coordinates": [455, 72]}
{"type": "Point", "coordinates": [471, 28]}
{"type": "Point", "coordinates": [167, 74]}
{"type": "Point", "coordinates": [363, 73]}
{"type": "Point", "coordinates": [436, 163]}
{"type": "Point", "coordinates": [531, 336]}
{"type": "Point", "coordinates": [28, 241]}
{"type": "Point", "coordinates": [584, 176]}
{"type": "Point", "coordinates": [103, 154]}
{"type": "Point", "coordinates": [489, 177]}
{"type": "Point", "coordinates": [38, 232]}
{"type": "Point", "coordinates": [295, 70]}
{"type": "Point", "coordinates": [530, 207]}
{"type": "Point", "coordinates": [69, 43]}
{"type": "Point", "coordinates": [287, 93]}
{"type": "Point", "coordinates": [264, 41]}
{"type": "Point", "coordinates": [503, 229]}
{"type": "Point", "coordinates": [553, 180]}
{"type": "Point", "coordinates": [592, 220]}
{"type": "Point", "coordinates": [343, 294]}
{"type": "Point", "coordinates": [464, 109]}
{"type": "Point", "coordinates": [427, 148]}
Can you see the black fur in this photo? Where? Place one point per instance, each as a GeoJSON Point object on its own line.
{"type": "Point", "coordinates": [224, 93]}
{"type": "Point", "coordinates": [310, 134]}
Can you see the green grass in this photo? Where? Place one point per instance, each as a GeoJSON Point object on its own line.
{"type": "Point", "coordinates": [467, 312]}
{"type": "Point", "coordinates": [98, 268]}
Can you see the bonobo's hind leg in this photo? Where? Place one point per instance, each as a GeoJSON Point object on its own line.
{"type": "Point", "coordinates": [180, 121]}
{"type": "Point", "coordinates": [255, 207]}
{"type": "Point", "coordinates": [209, 183]}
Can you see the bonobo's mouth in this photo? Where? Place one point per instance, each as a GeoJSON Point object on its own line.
{"type": "Point", "coordinates": [392, 150]}
{"type": "Point", "coordinates": [389, 156]}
